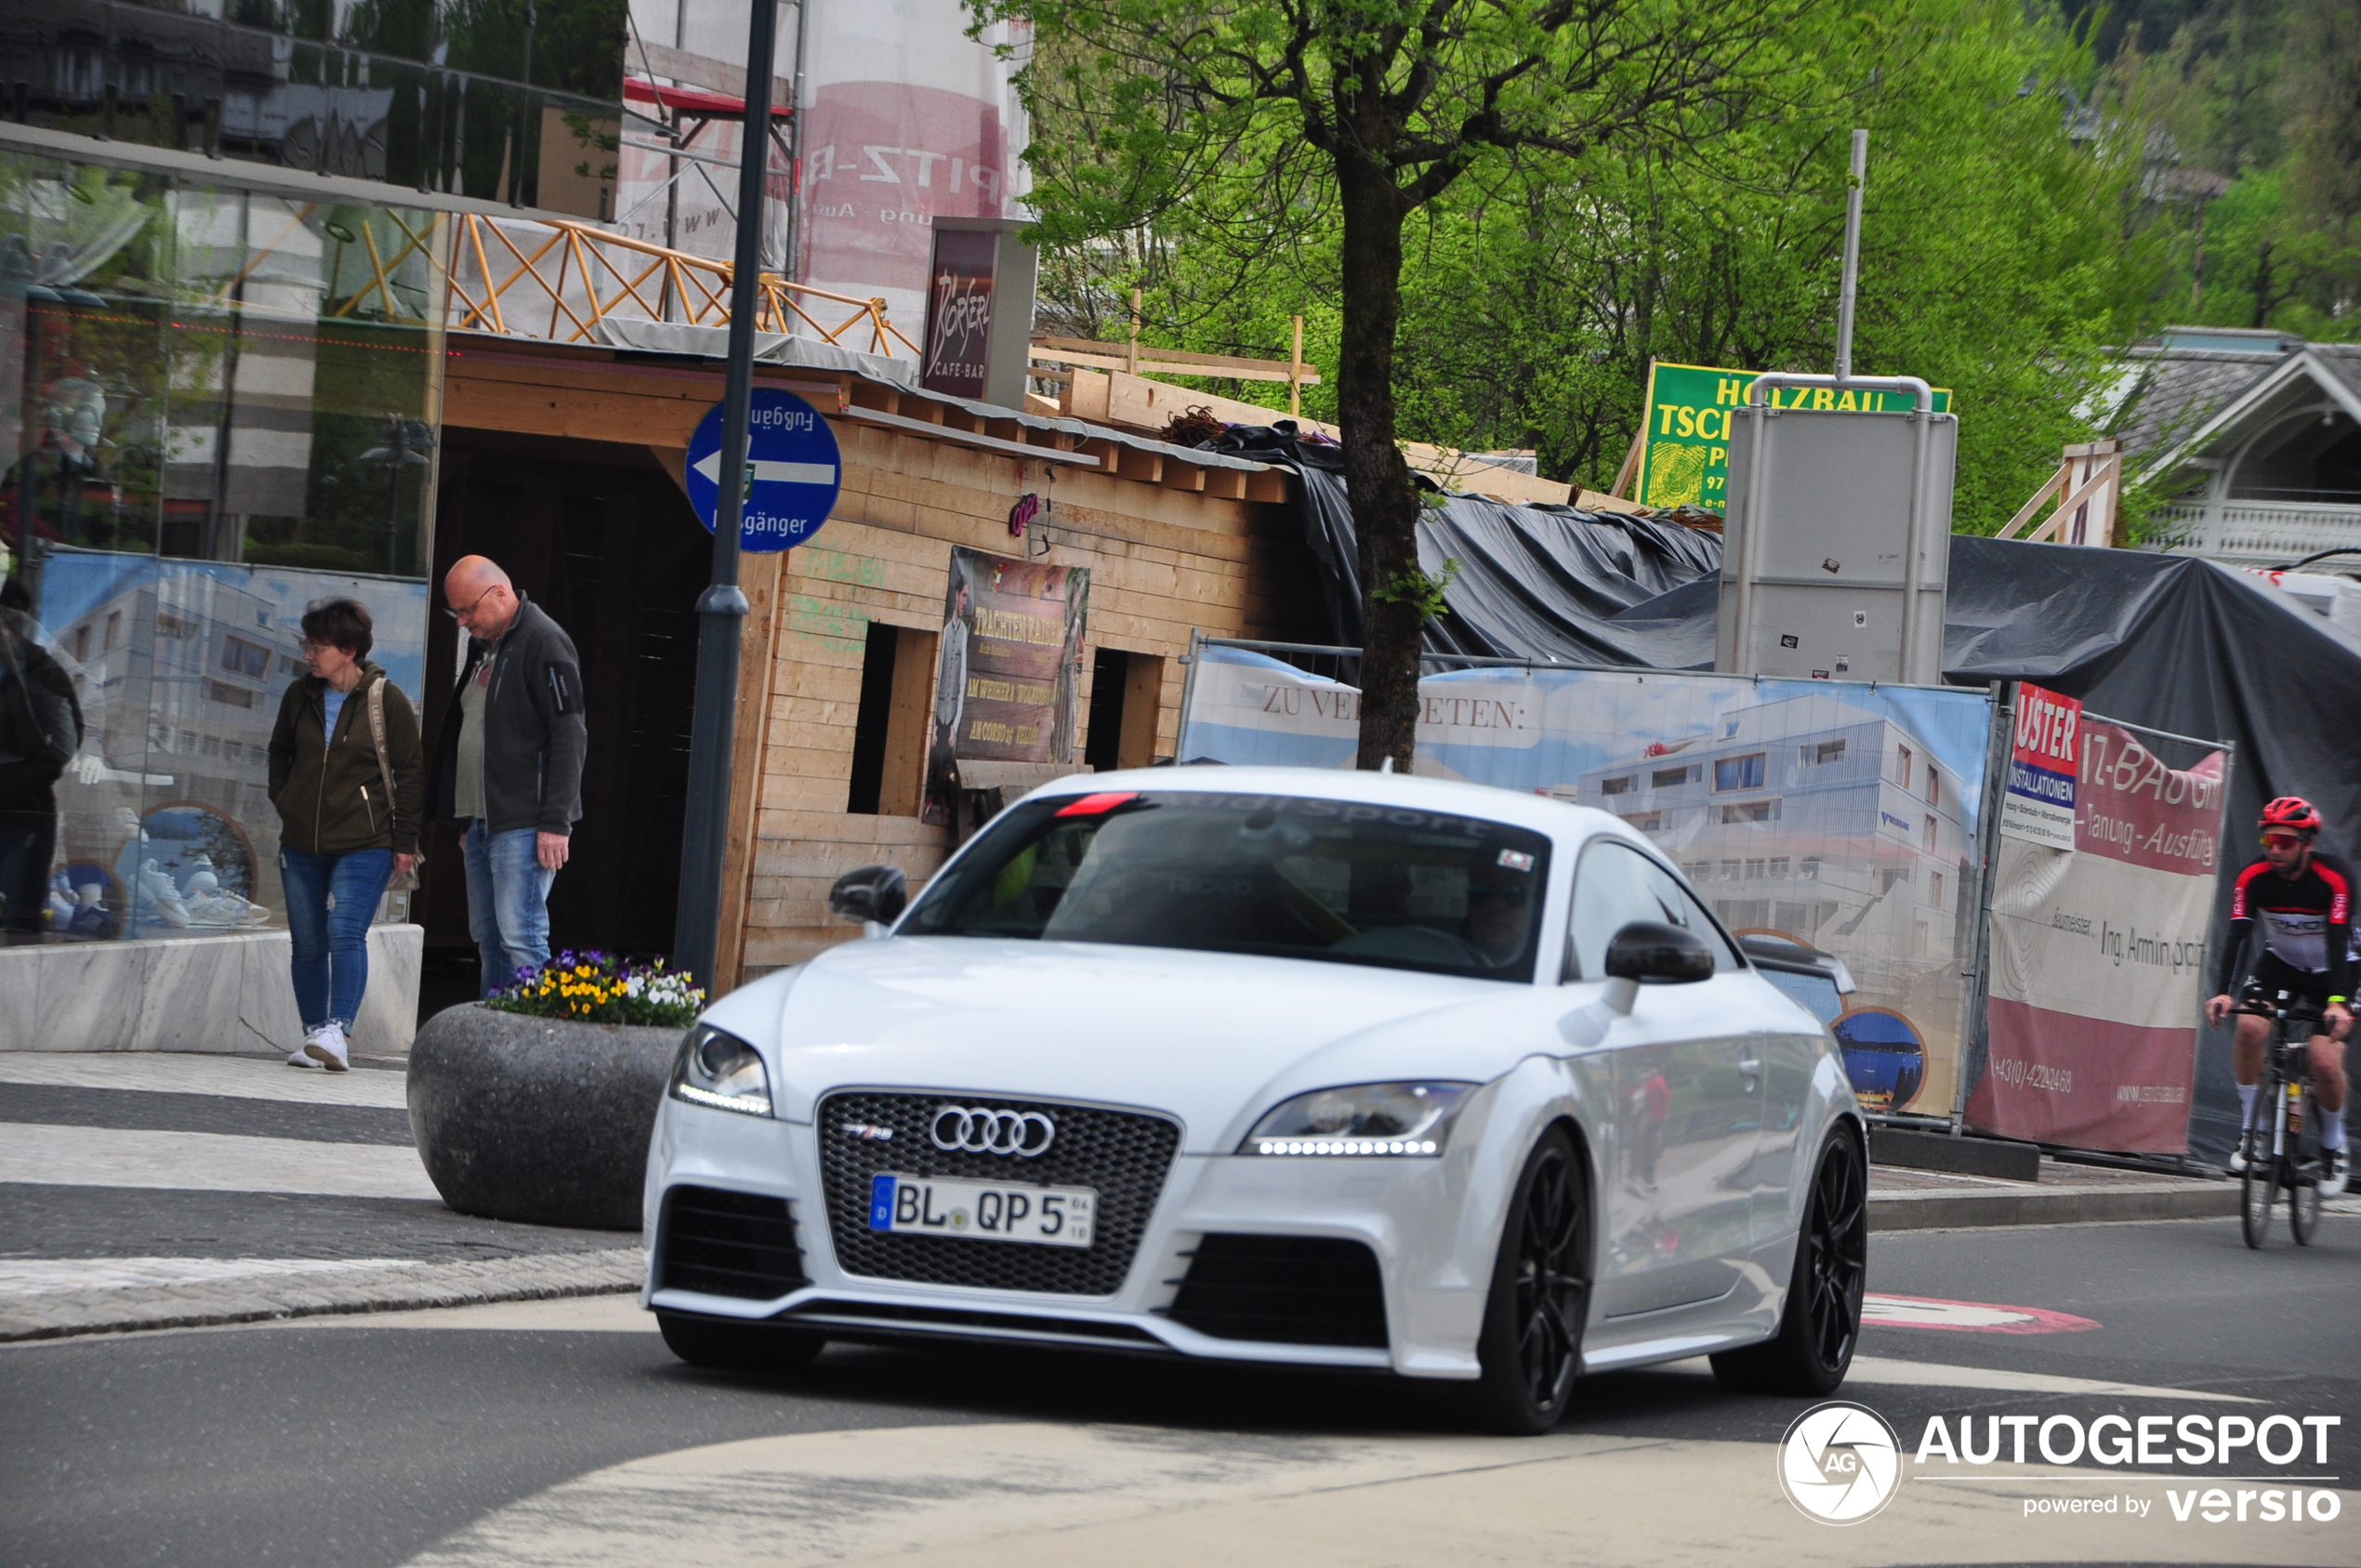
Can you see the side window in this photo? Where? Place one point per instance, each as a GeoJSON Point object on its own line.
{"type": "Point", "coordinates": [1680, 907]}
{"type": "Point", "coordinates": [1611, 889]}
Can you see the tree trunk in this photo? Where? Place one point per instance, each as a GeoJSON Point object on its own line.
{"type": "Point", "coordinates": [1385, 503]}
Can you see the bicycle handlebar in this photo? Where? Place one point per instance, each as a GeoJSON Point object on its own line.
{"type": "Point", "coordinates": [2295, 1009]}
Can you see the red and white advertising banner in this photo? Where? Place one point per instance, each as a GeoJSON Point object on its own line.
{"type": "Point", "coordinates": [2098, 953]}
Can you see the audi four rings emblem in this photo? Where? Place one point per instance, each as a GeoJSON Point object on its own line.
{"type": "Point", "coordinates": [959, 1129]}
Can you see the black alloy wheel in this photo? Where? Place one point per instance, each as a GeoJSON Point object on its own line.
{"type": "Point", "coordinates": [1820, 1326]}
{"type": "Point", "coordinates": [1531, 1346]}
{"type": "Point", "coordinates": [2258, 1184]}
{"type": "Point", "coordinates": [724, 1345]}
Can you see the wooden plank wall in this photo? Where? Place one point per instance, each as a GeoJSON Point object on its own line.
{"type": "Point", "coordinates": [1167, 550]}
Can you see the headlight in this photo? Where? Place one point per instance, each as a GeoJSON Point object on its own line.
{"type": "Point", "coordinates": [721, 1071]}
{"type": "Point", "coordinates": [1362, 1119]}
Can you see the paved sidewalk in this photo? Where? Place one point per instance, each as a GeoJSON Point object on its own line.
{"type": "Point", "coordinates": [144, 1191]}
{"type": "Point", "coordinates": [1902, 1198]}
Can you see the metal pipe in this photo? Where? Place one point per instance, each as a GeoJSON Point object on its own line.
{"type": "Point", "coordinates": [1742, 612]}
{"type": "Point", "coordinates": [721, 609]}
{"type": "Point", "coordinates": [1911, 384]}
{"type": "Point", "coordinates": [1914, 558]}
{"type": "Point", "coordinates": [1852, 277]}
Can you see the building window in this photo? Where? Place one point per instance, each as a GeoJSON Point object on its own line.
{"type": "Point", "coordinates": [1751, 812]}
{"type": "Point", "coordinates": [1927, 835]}
{"type": "Point", "coordinates": [1892, 877]}
{"type": "Point", "coordinates": [241, 657]}
{"type": "Point", "coordinates": [234, 696]}
{"type": "Point", "coordinates": [1618, 787]}
{"type": "Point", "coordinates": [1810, 870]}
{"type": "Point", "coordinates": [114, 629]}
{"type": "Point", "coordinates": [1666, 778]}
{"type": "Point", "coordinates": [1739, 772]}
{"type": "Point", "coordinates": [1824, 752]}
{"type": "Point", "coordinates": [1919, 941]}
{"type": "Point", "coordinates": [1901, 766]}
{"type": "Point", "coordinates": [1729, 871]}
{"type": "Point", "coordinates": [1646, 821]}
{"type": "Point", "coordinates": [1779, 867]}
{"type": "Point", "coordinates": [1935, 786]}
{"type": "Point", "coordinates": [175, 625]}
{"type": "Point", "coordinates": [81, 644]}
{"type": "Point", "coordinates": [1754, 868]}
{"type": "Point", "coordinates": [1699, 870]}
{"type": "Point", "coordinates": [1935, 889]}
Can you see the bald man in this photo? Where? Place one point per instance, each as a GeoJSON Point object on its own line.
{"type": "Point", "coordinates": [508, 765]}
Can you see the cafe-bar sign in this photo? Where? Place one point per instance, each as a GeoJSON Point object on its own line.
{"type": "Point", "coordinates": [1684, 454]}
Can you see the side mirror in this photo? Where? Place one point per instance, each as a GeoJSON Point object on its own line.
{"type": "Point", "coordinates": [873, 893]}
{"type": "Point", "coordinates": [1651, 953]}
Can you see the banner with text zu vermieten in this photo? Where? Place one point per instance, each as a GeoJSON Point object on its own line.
{"type": "Point", "coordinates": [2098, 956]}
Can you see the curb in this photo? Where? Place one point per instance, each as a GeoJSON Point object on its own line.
{"type": "Point", "coordinates": [2051, 1206]}
{"type": "Point", "coordinates": [544, 1276]}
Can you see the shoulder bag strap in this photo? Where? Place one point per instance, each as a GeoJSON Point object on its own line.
{"type": "Point", "coordinates": [377, 734]}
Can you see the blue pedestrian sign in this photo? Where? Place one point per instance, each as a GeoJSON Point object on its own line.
{"type": "Point", "coordinates": [793, 471]}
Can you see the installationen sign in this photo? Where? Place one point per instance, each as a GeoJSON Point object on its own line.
{"type": "Point", "coordinates": [2039, 804]}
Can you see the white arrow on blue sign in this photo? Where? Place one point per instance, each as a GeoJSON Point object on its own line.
{"type": "Point", "coordinates": [793, 471]}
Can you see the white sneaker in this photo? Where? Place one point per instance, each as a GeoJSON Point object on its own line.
{"type": "Point", "coordinates": [2237, 1161]}
{"type": "Point", "coordinates": [2339, 1170]}
{"type": "Point", "coordinates": [301, 1056]}
{"type": "Point", "coordinates": [327, 1046]}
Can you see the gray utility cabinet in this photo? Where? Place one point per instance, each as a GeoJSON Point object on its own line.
{"type": "Point", "coordinates": [1838, 551]}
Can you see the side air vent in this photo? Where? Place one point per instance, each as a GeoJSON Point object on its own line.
{"type": "Point", "coordinates": [1286, 1290]}
{"type": "Point", "coordinates": [727, 1243]}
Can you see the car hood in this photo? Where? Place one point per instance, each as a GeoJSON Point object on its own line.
{"type": "Point", "coordinates": [1215, 1039]}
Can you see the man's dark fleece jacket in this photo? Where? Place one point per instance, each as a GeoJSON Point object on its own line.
{"type": "Point", "coordinates": [534, 730]}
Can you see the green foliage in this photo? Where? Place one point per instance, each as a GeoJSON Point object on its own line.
{"type": "Point", "coordinates": [1420, 592]}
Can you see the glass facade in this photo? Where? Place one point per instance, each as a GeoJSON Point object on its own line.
{"type": "Point", "coordinates": [216, 408]}
{"type": "Point", "coordinates": [502, 100]}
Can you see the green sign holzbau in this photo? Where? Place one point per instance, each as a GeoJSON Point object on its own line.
{"type": "Point", "coordinates": [1684, 456]}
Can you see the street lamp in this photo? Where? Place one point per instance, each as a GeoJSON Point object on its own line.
{"type": "Point", "coordinates": [406, 445]}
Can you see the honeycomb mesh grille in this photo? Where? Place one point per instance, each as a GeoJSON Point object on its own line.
{"type": "Point", "coordinates": [1123, 1155]}
{"type": "Point", "coordinates": [727, 1243]}
{"type": "Point", "coordinates": [1288, 1290]}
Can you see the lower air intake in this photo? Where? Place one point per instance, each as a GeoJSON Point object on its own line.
{"type": "Point", "coordinates": [1285, 1290]}
{"type": "Point", "coordinates": [727, 1243]}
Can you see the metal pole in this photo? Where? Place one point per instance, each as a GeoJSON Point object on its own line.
{"type": "Point", "coordinates": [1975, 1002]}
{"type": "Point", "coordinates": [1851, 254]}
{"type": "Point", "coordinates": [721, 611]}
{"type": "Point", "coordinates": [796, 267]}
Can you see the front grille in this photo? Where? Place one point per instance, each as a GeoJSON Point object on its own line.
{"type": "Point", "coordinates": [1121, 1154]}
{"type": "Point", "coordinates": [1287, 1290]}
{"type": "Point", "coordinates": [727, 1243]}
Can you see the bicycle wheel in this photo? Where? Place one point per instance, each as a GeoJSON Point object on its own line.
{"type": "Point", "coordinates": [2259, 1183]}
{"type": "Point", "coordinates": [2307, 1165]}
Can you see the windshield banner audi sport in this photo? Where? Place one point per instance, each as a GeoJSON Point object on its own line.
{"type": "Point", "coordinates": [1843, 816]}
{"type": "Point", "coordinates": [2098, 949]}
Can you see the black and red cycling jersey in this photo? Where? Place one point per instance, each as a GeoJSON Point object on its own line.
{"type": "Point", "coordinates": [2307, 919]}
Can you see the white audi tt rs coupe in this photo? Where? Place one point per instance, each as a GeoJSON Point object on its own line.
{"type": "Point", "coordinates": [1330, 1069]}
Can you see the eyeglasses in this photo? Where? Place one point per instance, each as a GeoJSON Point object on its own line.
{"type": "Point", "coordinates": [461, 615]}
{"type": "Point", "coordinates": [2281, 841]}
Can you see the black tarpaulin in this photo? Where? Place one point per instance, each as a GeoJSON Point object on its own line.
{"type": "Point", "coordinates": [2168, 642]}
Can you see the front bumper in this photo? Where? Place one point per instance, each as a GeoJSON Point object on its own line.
{"type": "Point", "coordinates": [1411, 1214]}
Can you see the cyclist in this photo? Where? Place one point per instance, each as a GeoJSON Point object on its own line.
{"type": "Point", "coordinates": [2304, 897]}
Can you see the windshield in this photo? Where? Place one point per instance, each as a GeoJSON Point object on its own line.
{"type": "Point", "coordinates": [1340, 881]}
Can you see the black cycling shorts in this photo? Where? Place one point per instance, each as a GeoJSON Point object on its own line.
{"type": "Point", "coordinates": [2275, 974]}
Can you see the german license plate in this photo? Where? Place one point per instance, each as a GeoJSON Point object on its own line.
{"type": "Point", "coordinates": [983, 1211]}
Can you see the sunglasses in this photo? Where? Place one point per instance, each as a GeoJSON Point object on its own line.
{"type": "Point", "coordinates": [2280, 840]}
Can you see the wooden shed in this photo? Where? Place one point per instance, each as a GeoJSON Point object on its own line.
{"type": "Point", "coordinates": [565, 463]}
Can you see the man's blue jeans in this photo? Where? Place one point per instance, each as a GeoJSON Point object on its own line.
{"type": "Point", "coordinates": [331, 945]}
{"type": "Point", "coordinates": [508, 901]}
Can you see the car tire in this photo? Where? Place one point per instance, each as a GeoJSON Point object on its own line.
{"type": "Point", "coordinates": [1531, 1344]}
{"type": "Point", "coordinates": [738, 1347]}
{"type": "Point", "coordinates": [1820, 1326]}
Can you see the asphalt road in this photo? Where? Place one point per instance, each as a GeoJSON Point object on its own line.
{"type": "Point", "coordinates": [566, 1433]}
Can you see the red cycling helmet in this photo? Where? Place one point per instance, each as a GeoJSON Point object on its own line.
{"type": "Point", "coordinates": [2290, 811]}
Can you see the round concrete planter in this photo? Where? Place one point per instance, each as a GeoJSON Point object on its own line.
{"type": "Point", "coordinates": [539, 1119]}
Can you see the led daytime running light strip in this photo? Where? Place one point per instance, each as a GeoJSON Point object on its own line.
{"type": "Point", "coordinates": [1345, 1146]}
{"type": "Point", "coordinates": [752, 1104]}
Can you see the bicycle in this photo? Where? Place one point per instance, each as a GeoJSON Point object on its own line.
{"type": "Point", "coordinates": [2282, 1149]}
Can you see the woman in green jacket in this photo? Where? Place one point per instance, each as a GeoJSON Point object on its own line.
{"type": "Point", "coordinates": [343, 834]}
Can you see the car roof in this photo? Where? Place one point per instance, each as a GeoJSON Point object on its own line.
{"type": "Point", "coordinates": [1561, 820]}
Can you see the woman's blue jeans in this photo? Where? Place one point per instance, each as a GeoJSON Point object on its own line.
{"type": "Point", "coordinates": [331, 900]}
